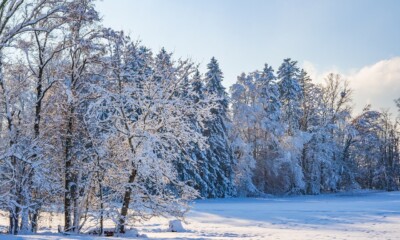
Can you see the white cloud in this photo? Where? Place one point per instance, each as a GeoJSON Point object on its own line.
{"type": "Point", "coordinates": [311, 69]}
{"type": "Point", "coordinates": [377, 84]}
{"type": "Point", "coordinates": [318, 75]}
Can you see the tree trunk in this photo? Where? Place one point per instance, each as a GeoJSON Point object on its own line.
{"type": "Point", "coordinates": [36, 125]}
{"type": "Point", "coordinates": [306, 173]}
{"type": "Point", "coordinates": [101, 207]}
{"type": "Point", "coordinates": [76, 209]}
{"type": "Point", "coordinates": [125, 203]}
{"type": "Point", "coordinates": [25, 228]}
{"type": "Point", "coordinates": [34, 220]}
{"type": "Point", "coordinates": [14, 215]}
{"type": "Point", "coordinates": [69, 188]}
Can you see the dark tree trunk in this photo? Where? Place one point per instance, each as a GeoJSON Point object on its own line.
{"type": "Point", "coordinates": [38, 106]}
{"type": "Point", "coordinates": [125, 203]}
{"type": "Point", "coordinates": [14, 215]}
{"type": "Point", "coordinates": [36, 128]}
{"type": "Point", "coordinates": [34, 221]}
{"type": "Point", "coordinates": [68, 195]}
{"type": "Point", "coordinates": [101, 201]}
{"type": "Point", "coordinates": [101, 211]}
{"type": "Point", "coordinates": [306, 170]}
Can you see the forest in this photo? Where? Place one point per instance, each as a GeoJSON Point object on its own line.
{"type": "Point", "coordinates": [99, 127]}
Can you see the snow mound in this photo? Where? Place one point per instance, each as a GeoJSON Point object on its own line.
{"type": "Point", "coordinates": [176, 226]}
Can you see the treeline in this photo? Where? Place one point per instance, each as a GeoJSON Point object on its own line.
{"type": "Point", "coordinates": [304, 138]}
{"type": "Point", "coordinates": [101, 128]}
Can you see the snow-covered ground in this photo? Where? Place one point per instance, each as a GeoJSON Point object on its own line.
{"type": "Point", "coordinates": [362, 215]}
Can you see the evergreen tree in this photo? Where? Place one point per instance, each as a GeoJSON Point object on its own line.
{"type": "Point", "coordinates": [198, 87]}
{"type": "Point", "coordinates": [217, 169]}
{"type": "Point", "coordinates": [269, 93]}
{"type": "Point", "coordinates": [290, 97]}
{"type": "Point", "coordinates": [290, 94]}
{"type": "Point", "coordinates": [214, 86]}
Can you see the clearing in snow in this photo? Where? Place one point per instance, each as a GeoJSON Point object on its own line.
{"type": "Point", "coordinates": [360, 215]}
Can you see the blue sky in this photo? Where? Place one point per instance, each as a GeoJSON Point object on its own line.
{"type": "Point", "coordinates": [348, 36]}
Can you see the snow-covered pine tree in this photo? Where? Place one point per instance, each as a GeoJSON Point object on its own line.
{"type": "Point", "coordinates": [256, 111]}
{"type": "Point", "coordinates": [163, 66]}
{"type": "Point", "coordinates": [270, 131]}
{"type": "Point", "coordinates": [244, 165]}
{"type": "Point", "coordinates": [243, 134]}
{"type": "Point", "coordinates": [216, 169]}
{"type": "Point", "coordinates": [197, 86]}
{"type": "Point", "coordinates": [290, 94]}
{"type": "Point", "coordinates": [290, 97]}
{"type": "Point", "coordinates": [268, 94]}
{"type": "Point", "coordinates": [190, 171]}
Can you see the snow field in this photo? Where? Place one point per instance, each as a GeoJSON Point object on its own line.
{"type": "Point", "coordinates": [361, 215]}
